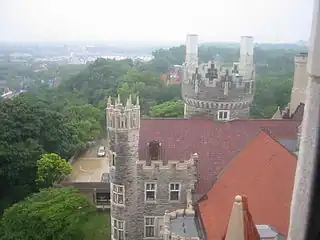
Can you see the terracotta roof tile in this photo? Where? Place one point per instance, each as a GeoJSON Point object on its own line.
{"type": "Point", "coordinates": [216, 143]}
{"type": "Point", "coordinates": [264, 171]}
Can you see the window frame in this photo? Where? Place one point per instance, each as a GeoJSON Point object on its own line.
{"type": "Point", "coordinates": [118, 229]}
{"type": "Point", "coordinates": [117, 193]}
{"type": "Point", "coordinates": [223, 112]}
{"type": "Point", "coordinates": [179, 192]}
{"type": "Point", "coordinates": [113, 159]}
{"type": "Point", "coordinates": [146, 190]}
{"type": "Point", "coordinates": [154, 225]}
{"type": "Point", "coordinates": [100, 202]}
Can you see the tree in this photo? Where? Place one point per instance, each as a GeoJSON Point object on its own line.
{"type": "Point", "coordinates": [271, 92]}
{"type": "Point", "coordinates": [53, 213]}
{"type": "Point", "coordinates": [168, 109]}
{"type": "Point", "coordinates": [50, 168]}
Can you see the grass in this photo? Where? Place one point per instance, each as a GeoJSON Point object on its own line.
{"type": "Point", "coordinates": [98, 227]}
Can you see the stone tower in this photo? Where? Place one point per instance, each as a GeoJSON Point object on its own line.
{"type": "Point", "coordinates": [123, 124]}
{"type": "Point", "coordinates": [211, 90]}
{"type": "Point", "coordinates": [300, 81]}
{"type": "Point", "coordinates": [307, 161]}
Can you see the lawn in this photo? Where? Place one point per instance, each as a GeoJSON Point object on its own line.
{"type": "Point", "coordinates": [98, 227]}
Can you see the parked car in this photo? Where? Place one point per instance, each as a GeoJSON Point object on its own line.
{"type": "Point", "coordinates": [101, 151]}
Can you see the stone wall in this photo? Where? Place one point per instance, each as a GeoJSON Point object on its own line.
{"type": "Point", "coordinates": [235, 113]}
{"type": "Point", "coordinates": [184, 173]}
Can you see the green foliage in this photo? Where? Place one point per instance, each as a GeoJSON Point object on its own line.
{"type": "Point", "coordinates": [50, 168]}
{"type": "Point", "coordinates": [271, 92]}
{"type": "Point", "coordinates": [53, 213]}
{"type": "Point", "coordinates": [168, 109]}
{"type": "Point", "coordinates": [48, 121]}
{"type": "Point", "coordinates": [98, 227]}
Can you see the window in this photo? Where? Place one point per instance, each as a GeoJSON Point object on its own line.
{"type": "Point", "coordinates": [223, 115]}
{"type": "Point", "coordinates": [149, 227]}
{"type": "Point", "coordinates": [150, 192]}
{"type": "Point", "coordinates": [113, 160]}
{"type": "Point", "coordinates": [117, 229]}
{"type": "Point", "coordinates": [102, 198]}
{"type": "Point", "coordinates": [117, 194]}
{"type": "Point", "coordinates": [174, 190]}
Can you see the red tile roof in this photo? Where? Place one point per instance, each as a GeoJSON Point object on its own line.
{"type": "Point", "coordinates": [216, 143]}
{"type": "Point", "coordinates": [264, 171]}
{"type": "Point", "coordinates": [249, 231]}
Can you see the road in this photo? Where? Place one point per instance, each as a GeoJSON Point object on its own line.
{"type": "Point", "coordinates": [90, 167]}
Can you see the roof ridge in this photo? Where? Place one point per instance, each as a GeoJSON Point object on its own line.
{"type": "Point", "coordinates": [266, 119]}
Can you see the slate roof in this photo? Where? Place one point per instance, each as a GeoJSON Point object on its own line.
{"type": "Point", "coordinates": [264, 171]}
{"type": "Point", "coordinates": [216, 143]}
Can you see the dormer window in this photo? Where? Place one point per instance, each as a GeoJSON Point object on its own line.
{"type": "Point", "coordinates": [154, 150]}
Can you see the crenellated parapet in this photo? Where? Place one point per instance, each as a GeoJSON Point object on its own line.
{"type": "Point", "coordinates": [210, 87]}
{"type": "Point", "coordinates": [121, 116]}
{"type": "Point", "coordinates": [143, 165]}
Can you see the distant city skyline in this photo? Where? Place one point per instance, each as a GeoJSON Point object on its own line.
{"type": "Point", "coordinates": [161, 22]}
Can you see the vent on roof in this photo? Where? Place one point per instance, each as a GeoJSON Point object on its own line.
{"type": "Point", "coordinates": [154, 150]}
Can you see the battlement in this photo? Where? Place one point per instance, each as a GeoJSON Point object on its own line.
{"type": "Point", "coordinates": [210, 87]}
{"type": "Point", "coordinates": [118, 106]}
{"type": "Point", "coordinates": [171, 165]}
{"type": "Point", "coordinates": [121, 116]}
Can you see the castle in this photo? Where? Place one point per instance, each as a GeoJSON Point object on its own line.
{"type": "Point", "coordinates": [161, 168]}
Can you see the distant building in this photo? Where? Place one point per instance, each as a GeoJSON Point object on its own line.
{"type": "Point", "coordinates": [174, 75]}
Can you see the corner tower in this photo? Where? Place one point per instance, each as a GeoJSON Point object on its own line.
{"type": "Point", "coordinates": [211, 90]}
{"type": "Point", "coordinates": [123, 124]}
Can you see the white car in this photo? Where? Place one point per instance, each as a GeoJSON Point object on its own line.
{"type": "Point", "coordinates": [101, 151]}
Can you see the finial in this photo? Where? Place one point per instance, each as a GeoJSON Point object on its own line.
{"type": "Point", "coordinates": [109, 100]}
{"type": "Point", "coordinates": [137, 101]}
{"type": "Point", "coordinates": [119, 99]}
{"type": "Point", "coordinates": [238, 199]}
{"type": "Point", "coordinates": [128, 101]}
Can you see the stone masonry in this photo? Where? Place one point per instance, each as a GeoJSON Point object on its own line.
{"type": "Point", "coordinates": [211, 90]}
{"type": "Point", "coordinates": [130, 177]}
{"type": "Point", "coordinates": [300, 82]}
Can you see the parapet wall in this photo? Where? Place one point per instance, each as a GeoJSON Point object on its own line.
{"type": "Point", "coordinates": [167, 232]}
{"type": "Point", "coordinates": [171, 165]}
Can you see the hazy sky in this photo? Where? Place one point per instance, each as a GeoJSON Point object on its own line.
{"type": "Point", "coordinates": [154, 20]}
